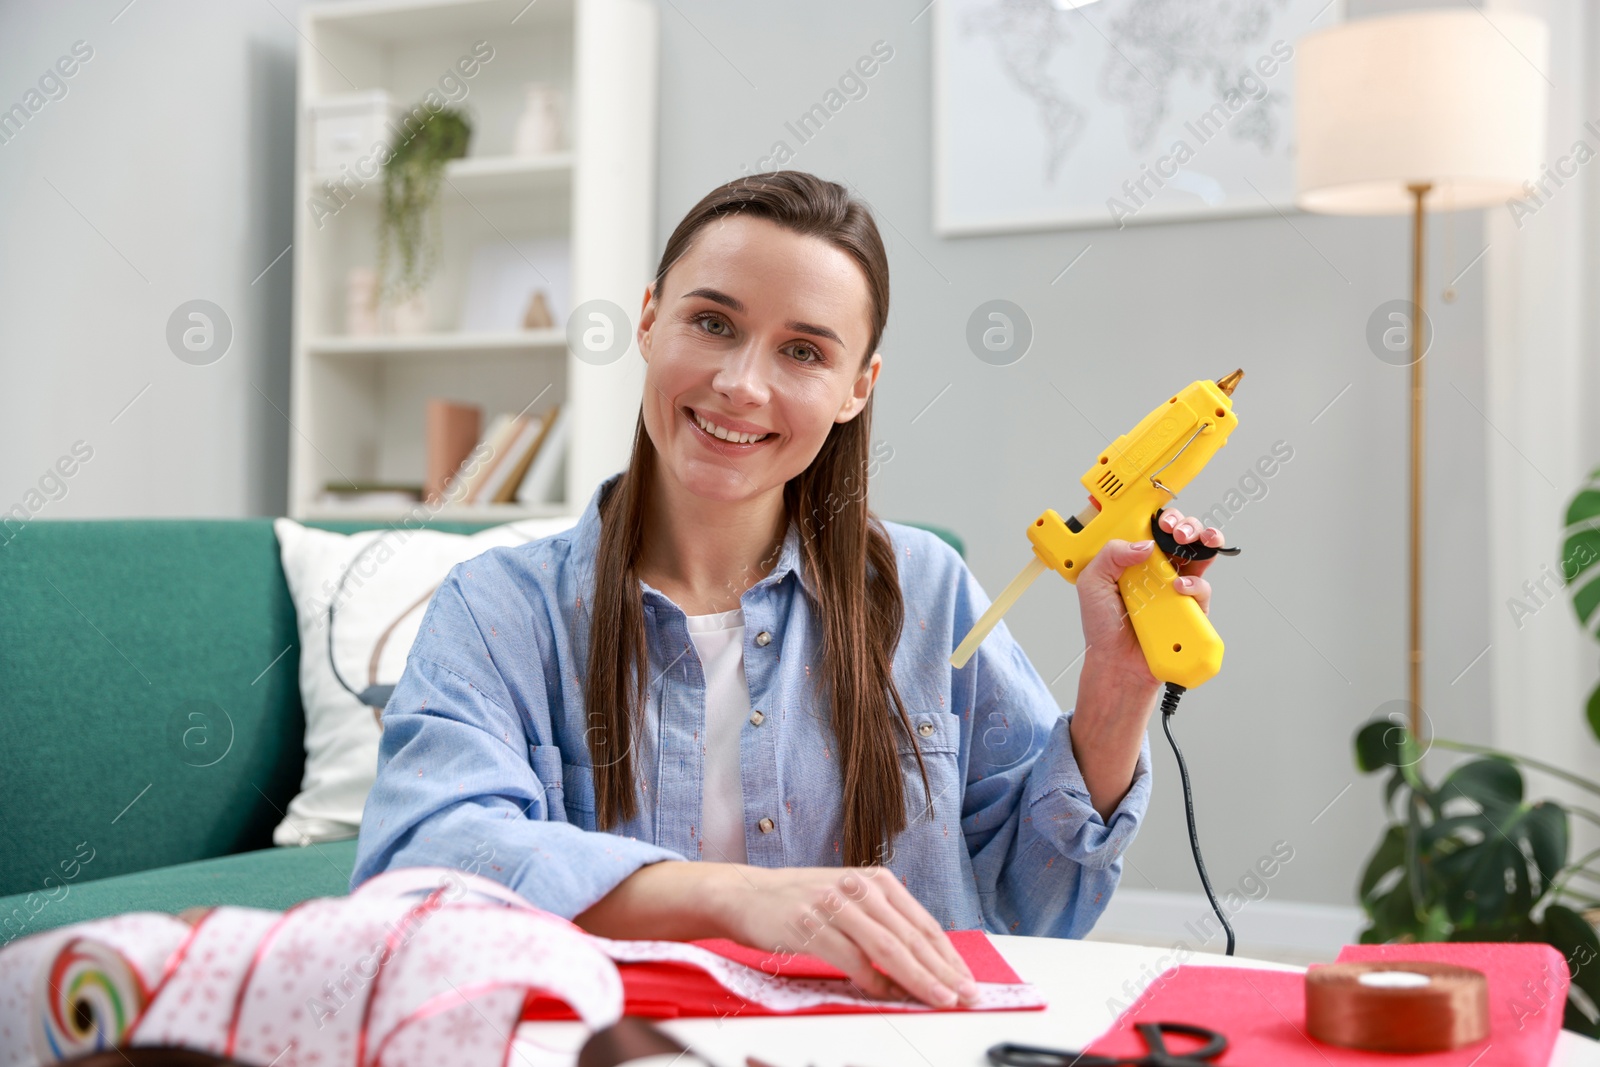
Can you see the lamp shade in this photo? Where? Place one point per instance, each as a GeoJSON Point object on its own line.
{"type": "Point", "coordinates": [1453, 97]}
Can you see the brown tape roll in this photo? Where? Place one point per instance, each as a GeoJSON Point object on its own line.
{"type": "Point", "coordinates": [1397, 1005]}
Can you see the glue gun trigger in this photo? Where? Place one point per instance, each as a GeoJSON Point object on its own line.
{"type": "Point", "coordinates": [1194, 550]}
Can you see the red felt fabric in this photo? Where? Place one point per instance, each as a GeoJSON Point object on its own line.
{"type": "Point", "coordinates": [672, 990]}
{"type": "Point", "coordinates": [1262, 1013]}
{"type": "Point", "coordinates": [974, 947]}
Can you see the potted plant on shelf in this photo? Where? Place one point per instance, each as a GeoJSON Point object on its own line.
{"type": "Point", "coordinates": [408, 226]}
{"type": "Point", "coordinates": [1471, 859]}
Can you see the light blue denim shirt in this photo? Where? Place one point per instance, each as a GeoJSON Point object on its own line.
{"type": "Point", "coordinates": [483, 763]}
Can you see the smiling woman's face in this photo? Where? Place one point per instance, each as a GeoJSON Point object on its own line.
{"type": "Point", "coordinates": [758, 332]}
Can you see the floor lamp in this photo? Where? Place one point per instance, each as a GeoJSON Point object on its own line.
{"type": "Point", "coordinates": [1441, 109]}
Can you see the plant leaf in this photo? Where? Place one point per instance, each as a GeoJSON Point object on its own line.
{"type": "Point", "coordinates": [1388, 856]}
{"type": "Point", "coordinates": [1378, 745]}
{"type": "Point", "coordinates": [1585, 596]}
{"type": "Point", "coordinates": [1575, 1020]}
{"type": "Point", "coordinates": [1586, 505]}
{"type": "Point", "coordinates": [1546, 827]}
{"type": "Point", "coordinates": [1486, 880]}
{"type": "Point", "coordinates": [1450, 824]}
{"type": "Point", "coordinates": [1437, 926]}
{"type": "Point", "coordinates": [1493, 782]}
{"type": "Point", "coordinates": [1580, 552]}
{"type": "Point", "coordinates": [1456, 889]}
{"type": "Point", "coordinates": [1526, 874]}
{"type": "Point", "coordinates": [1393, 915]}
{"type": "Point", "coordinates": [1593, 711]}
{"type": "Point", "coordinates": [1575, 939]}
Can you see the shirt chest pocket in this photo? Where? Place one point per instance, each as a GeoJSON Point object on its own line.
{"type": "Point", "coordinates": [936, 732]}
{"type": "Point", "coordinates": [938, 738]}
{"type": "Point", "coordinates": [578, 779]}
{"type": "Point", "coordinates": [547, 766]}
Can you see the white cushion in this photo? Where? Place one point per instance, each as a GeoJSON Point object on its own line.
{"type": "Point", "coordinates": [398, 567]}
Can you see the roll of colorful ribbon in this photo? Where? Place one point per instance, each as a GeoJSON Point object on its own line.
{"type": "Point", "coordinates": [86, 1000]}
{"type": "Point", "coordinates": [1397, 1006]}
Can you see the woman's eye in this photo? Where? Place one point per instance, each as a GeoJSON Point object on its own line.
{"type": "Point", "coordinates": [708, 319]}
{"type": "Point", "coordinates": [813, 356]}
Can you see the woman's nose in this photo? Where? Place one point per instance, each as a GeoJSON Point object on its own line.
{"type": "Point", "coordinates": [741, 377]}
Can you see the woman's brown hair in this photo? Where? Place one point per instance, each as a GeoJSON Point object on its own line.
{"type": "Point", "coordinates": [843, 547]}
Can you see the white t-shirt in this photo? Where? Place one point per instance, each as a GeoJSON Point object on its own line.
{"type": "Point", "coordinates": [719, 639]}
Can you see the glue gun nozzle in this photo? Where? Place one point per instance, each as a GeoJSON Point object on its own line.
{"type": "Point", "coordinates": [1229, 382]}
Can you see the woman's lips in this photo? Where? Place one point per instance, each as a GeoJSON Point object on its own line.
{"type": "Point", "coordinates": [717, 444]}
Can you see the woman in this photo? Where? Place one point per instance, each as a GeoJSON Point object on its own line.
{"type": "Point", "coordinates": [722, 705]}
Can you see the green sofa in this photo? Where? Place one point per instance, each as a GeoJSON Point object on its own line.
{"type": "Point", "coordinates": [153, 721]}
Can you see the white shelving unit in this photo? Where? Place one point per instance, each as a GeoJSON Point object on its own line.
{"type": "Point", "coordinates": [358, 403]}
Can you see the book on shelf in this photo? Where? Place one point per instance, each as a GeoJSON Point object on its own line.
{"type": "Point", "coordinates": [465, 481]}
{"type": "Point", "coordinates": [501, 483]}
{"type": "Point", "coordinates": [507, 450]}
{"type": "Point", "coordinates": [529, 444]}
{"type": "Point", "coordinates": [543, 483]}
{"type": "Point", "coordinates": [451, 430]}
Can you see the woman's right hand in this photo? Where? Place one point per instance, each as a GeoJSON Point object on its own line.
{"type": "Point", "coordinates": [851, 917]}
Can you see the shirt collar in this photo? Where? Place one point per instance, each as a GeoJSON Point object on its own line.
{"type": "Point", "coordinates": [586, 540]}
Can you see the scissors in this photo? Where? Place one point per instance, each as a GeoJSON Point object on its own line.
{"type": "Point", "coordinates": [1156, 1054]}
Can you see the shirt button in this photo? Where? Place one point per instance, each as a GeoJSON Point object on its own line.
{"type": "Point", "coordinates": [763, 638]}
{"type": "Point", "coordinates": [766, 826]}
{"type": "Point", "coordinates": [925, 728]}
{"type": "Point", "coordinates": [756, 718]}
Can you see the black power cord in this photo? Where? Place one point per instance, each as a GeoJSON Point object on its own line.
{"type": "Point", "coordinates": [1169, 704]}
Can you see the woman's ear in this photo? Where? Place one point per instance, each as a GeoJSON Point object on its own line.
{"type": "Point", "coordinates": [647, 318]}
{"type": "Point", "coordinates": [860, 390]}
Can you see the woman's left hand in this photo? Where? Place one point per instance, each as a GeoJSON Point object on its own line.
{"type": "Point", "coordinates": [1112, 645]}
{"type": "Point", "coordinates": [1116, 691]}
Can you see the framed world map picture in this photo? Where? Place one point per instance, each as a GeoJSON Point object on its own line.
{"type": "Point", "coordinates": [1114, 113]}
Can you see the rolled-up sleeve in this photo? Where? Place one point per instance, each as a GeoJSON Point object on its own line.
{"type": "Point", "coordinates": [1045, 861]}
{"type": "Point", "coordinates": [468, 776]}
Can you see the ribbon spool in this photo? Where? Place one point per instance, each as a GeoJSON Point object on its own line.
{"type": "Point", "coordinates": [1397, 1005]}
{"type": "Point", "coordinates": [86, 1000]}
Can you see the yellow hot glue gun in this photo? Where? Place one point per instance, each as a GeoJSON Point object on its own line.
{"type": "Point", "coordinates": [1128, 485]}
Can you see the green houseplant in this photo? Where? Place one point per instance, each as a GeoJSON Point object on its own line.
{"type": "Point", "coordinates": [1580, 567]}
{"type": "Point", "coordinates": [408, 226]}
{"type": "Point", "coordinates": [1470, 858]}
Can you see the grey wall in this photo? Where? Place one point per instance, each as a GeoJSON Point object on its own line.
{"type": "Point", "coordinates": [171, 161]}
{"type": "Point", "coordinates": [165, 174]}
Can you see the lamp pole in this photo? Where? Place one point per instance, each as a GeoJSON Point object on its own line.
{"type": "Point", "coordinates": [1418, 328]}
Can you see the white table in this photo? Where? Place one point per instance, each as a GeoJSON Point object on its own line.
{"type": "Point", "coordinates": [1078, 978]}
